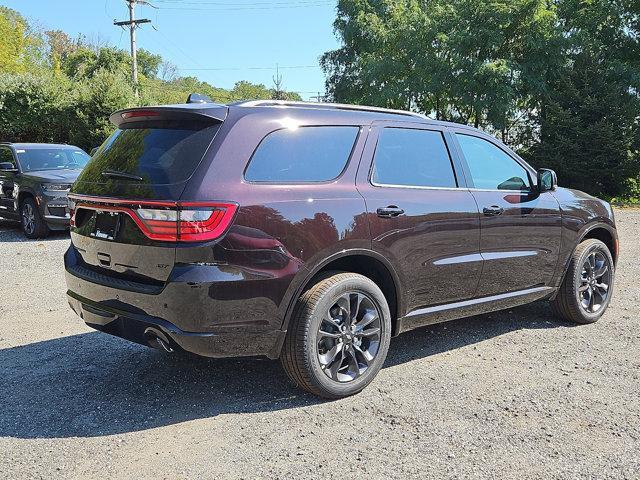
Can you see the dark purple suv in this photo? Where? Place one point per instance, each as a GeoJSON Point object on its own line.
{"type": "Point", "coordinates": [314, 233]}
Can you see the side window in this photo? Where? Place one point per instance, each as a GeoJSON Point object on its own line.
{"type": "Point", "coordinates": [414, 158]}
{"type": "Point", "coordinates": [490, 167]}
{"type": "Point", "coordinates": [306, 154]}
{"type": "Point", "coordinates": [7, 156]}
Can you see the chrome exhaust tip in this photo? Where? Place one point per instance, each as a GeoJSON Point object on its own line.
{"type": "Point", "coordinates": [156, 339]}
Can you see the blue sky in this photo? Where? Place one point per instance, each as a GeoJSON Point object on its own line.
{"type": "Point", "coordinates": [219, 41]}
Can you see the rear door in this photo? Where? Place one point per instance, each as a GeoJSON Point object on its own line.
{"type": "Point", "coordinates": [421, 216]}
{"type": "Point", "coordinates": [131, 185]}
{"type": "Point", "coordinates": [520, 228]}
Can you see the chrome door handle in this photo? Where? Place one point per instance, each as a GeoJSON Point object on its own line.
{"type": "Point", "coordinates": [390, 211]}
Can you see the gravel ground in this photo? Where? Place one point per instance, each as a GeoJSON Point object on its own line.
{"type": "Point", "coordinates": [516, 394]}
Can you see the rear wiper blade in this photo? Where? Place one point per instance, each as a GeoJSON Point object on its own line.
{"type": "Point", "coordinates": [113, 174]}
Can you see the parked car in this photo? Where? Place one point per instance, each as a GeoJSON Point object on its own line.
{"type": "Point", "coordinates": [314, 233]}
{"type": "Point", "coordinates": [34, 181]}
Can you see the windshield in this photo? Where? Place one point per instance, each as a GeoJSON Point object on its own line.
{"type": "Point", "coordinates": [160, 153]}
{"type": "Point", "coordinates": [53, 158]}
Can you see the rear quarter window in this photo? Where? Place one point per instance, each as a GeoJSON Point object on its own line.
{"type": "Point", "coordinates": [305, 154]}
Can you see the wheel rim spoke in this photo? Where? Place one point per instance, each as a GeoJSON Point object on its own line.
{"type": "Point", "coordinates": [370, 332]}
{"type": "Point", "coordinates": [595, 280]}
{"type": "Point", "coordinates": [349, 337]}
{"type": "Point", "coordinates": [601, 271]}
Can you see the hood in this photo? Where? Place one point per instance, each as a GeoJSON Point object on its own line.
{"type": "Point", "coordinates": [53, 176]}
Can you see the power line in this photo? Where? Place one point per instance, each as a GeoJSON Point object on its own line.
{"type": "Point", "coordinates": [299, 3]}
{"type": "Point", "coordinates": [248, 7]}
{"type": "Point", "coordinates": [286, 67]}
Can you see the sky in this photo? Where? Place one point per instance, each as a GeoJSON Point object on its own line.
{"type": "Point", "coordinates": [218, 41]}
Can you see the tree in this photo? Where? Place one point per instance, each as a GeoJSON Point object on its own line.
{"type": "Point", "coordinates": [148, 63]}
{"type": "Point", "coordinates": [60, 47]}
{"type": "Point", "coordinates": [20, 48]}
{"type": "Point", "coordinates": [589, 118]}
{"type": "Point", "coordinates": [462, 60]}
{"type": "Point", "coordinates": [557, 79]}
{"type": "Point", "coordinates": [34, 108]}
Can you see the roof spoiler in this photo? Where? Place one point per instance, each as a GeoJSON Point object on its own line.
{"type": "Point", "coordinates": [189, 111]}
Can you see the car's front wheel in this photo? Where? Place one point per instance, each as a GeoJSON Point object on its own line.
{"type": "Point", "coordinates": [586, 290]}
{"type": "Point", "coordinates": [33, 225]}
{"type": "Point", "coordinates": [338, 337]}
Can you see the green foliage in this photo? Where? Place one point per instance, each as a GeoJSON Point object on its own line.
{"type": "Point", "coordinates": [557, 79]}
{"type": "Point", "coordinates": [95, 99]}
{"type": "Point", "coordinates": [33, 107]}
{"type": "Point", "coordinates": [20, 48]}
{"type": "Point", "coordinates": [148, 63]}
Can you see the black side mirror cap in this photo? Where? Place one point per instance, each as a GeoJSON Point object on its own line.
{"type": "Point", "coordinates": [547, 180]}
{"type": "Point", "coordinates": [7, 167]}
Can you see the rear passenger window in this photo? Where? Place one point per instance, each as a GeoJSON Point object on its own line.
{"type": "Point", "coordinates": [306, 154]}
{"type": "Point", "coordinates": [413, 158]}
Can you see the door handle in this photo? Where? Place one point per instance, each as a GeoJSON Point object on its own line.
{"type": "Point", "coordinates": [493, 210]}
{"type": "Point", "coordinates": [390, 211]}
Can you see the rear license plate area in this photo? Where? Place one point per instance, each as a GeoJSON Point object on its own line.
{"type": "Point", "coordinates": [106, 226]}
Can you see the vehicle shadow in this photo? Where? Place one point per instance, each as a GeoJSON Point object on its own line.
{"type": "Point", "coordinates": [91, 384]}
{"type": "Point", "coordinates": [11, 231]}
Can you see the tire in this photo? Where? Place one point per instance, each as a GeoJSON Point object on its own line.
{"type": "Point", "coordinates": [307, 352]}
{"type": "Point", "coordinates": [33, 225]}
{"type": "Point", "coordinates": [587, 287]}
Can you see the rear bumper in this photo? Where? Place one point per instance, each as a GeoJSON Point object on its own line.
{"type": "Point", "coordinates": [193, 310]}
{"type": "Point", "coordinates": [142, 328]}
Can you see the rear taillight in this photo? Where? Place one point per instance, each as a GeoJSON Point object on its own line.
{"type": "Point", "coordinates": [168, 221]}
{"type": "Point", "coordinates": [189, 222]}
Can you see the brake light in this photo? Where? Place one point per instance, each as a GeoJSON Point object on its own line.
{"type": "Point", "coordinates": [170, 221]}
{"type": "Point", "coordinates": [191, 222]}
{"type": "Point", "coordinates": [139, 113]}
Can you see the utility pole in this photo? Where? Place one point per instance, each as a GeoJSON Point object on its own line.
{"type": "Point", "coordinates": [132, 23]}
{"type": "Point", "coordinates": [277, 82]}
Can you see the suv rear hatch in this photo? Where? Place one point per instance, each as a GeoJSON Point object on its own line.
{"type": "Point", "coordinates": [127, 215]}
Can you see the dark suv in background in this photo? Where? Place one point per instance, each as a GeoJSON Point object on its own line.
{"type": "Point", "coordinates": [34, 181]}
{"type": "Point", "coordinates": [314, 233]}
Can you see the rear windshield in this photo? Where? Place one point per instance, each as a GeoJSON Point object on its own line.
{"type": "Point", "coordinates": [159, 152]}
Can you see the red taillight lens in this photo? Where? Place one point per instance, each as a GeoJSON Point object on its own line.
{"type": "Point", "coordinates": [191, 222]}
{"type": "Point", "coordinates": [167, 221]}
{"type": "Point", "coordinates": [139, 113]}
{"type": "Point", "coordinates": [158, 224]}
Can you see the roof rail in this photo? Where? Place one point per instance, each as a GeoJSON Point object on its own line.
{"type": "Point", "coordinates": [337, 106]}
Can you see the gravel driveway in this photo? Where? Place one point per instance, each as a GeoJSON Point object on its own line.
{"type": "Point", "coordinates": [516, 394]}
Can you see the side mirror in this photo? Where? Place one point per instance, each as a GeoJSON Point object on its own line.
{"type": "Point", "coordinates": [7, 167]}
{"type": "Point", "coordinates": [547, 180]}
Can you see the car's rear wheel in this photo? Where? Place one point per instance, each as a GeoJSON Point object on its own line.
{"type": "Point", "coordinates": [338, 336]}
{"type": "Point", "coordinates": [586, 290]}
{"type": "Point", "coordinates": [33, 225]}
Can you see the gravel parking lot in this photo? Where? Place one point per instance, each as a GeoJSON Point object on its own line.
{"type": "Point", "coordinates": [517, 394]}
